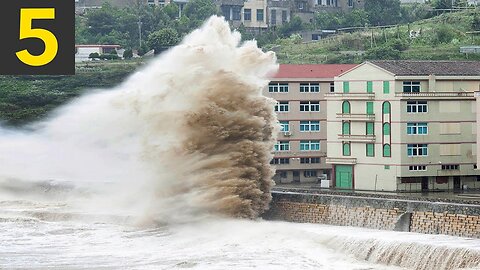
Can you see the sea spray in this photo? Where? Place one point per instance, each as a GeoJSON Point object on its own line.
{"type": "Point", "coordinates": [190, 134]}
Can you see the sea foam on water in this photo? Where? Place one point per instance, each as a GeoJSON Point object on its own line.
{"type": "Point", "coordinates": [189, 134]}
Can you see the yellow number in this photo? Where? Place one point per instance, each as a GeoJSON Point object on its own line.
{"type": "Point", "coordinates": [26, 31]}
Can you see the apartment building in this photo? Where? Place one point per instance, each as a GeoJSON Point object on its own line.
{"type": "Point", "coordinates": [254, 14]}
{"type": "Point", "coordinates": [299, 155]}
{"type": "Point", "coordinates": [404, 126]}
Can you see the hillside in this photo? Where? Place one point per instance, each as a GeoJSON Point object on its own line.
{"type": "Point", "coordinates": [24, 99]}
{"type": "Point", "coordinates": [440, 38]}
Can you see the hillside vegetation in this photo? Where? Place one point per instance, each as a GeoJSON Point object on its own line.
{"type": "Point", "coordinates": [24, 99]}
{"type": "Point", "coordinates": [440, 38]}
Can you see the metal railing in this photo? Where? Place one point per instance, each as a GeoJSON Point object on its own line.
{"type": "Point", "coordinates": [356, 116]}
{"type": "Point", "coordinates": [356, 138]}
{"type": "Point", "coordinates": [351, 95]}
{"type": "Point", "coordinates": [434, 94]}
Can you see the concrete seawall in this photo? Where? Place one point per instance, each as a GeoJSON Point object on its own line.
{"type": "Point", "coordinates": [430, 217]}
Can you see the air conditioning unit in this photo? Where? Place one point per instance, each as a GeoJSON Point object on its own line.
{"type": "Point", "coordinates": [287, 134]}
{"type": "Point", "coordinates": [322, 177]}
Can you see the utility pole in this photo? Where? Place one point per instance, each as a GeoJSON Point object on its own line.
{"type": "Point", "coordinates": [139, 32]}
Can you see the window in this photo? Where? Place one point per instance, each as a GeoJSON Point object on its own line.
{"type": "Point", "coordinates": [332, 87]}
{"type": "Point", "coordinates": [386, 107]}
{"type": "Point", "coordinates": [282, 146]}
{"type": "Point", "coordinates": [247, 14]}
{"type": "Point", "coordinates": [260, 15]}
{"type": "Point", "coordinates": [309, 160]}
{"type": "Point", "coordinates": [346, 149]}
{"type": "Point", "coordinates": [285, 127]}
{"type": "Point", "coordinates": [386, 87]}
{"type": "Point", "coordinates": [417, 107]}
{"type": "Point", "coordinates": [346, 107]}
{"type": "Point", "coordinates": [309, 88]}
{"type": "Point", "coordinates": [350, 3]}
{"type": "Point", "coordinates": [284, 16]}
{"type": "Point", "coordinates": [346, 87]}
{"type": "Point", "coordinates": [369, 87]}
{"type": "Point", "coordinates": [409, 87]}
{"type": "Point", "coordinates": [273, 17]}
{"type": "Point", "coordinates": [282, 106]}
{"type": "Point", "coordinates": [278, 88]}
{"type": "Point", "coordinates": [369, 107]}
{"type": "Point", "coordinates": [346, 128]}
{"type": "Point", "coordinates": [309, 106]}
{"type": "Point", "coordinates": [280, 161]}
{"type": "Point", "coordinates": [386, 129]}
{"type": "Point", "coordinates": [387, 167]}
{"type": "Point", "coordinates": [417, 168]}
{"type": "Point", "coordinates": [370, 128]}
{"type": "Point", "coordinates": [300, 5]}
{"type": "Point", "coordinates": [151, 2]}
{"type": "Point", "coordinates": [310, 173]}
{"type": "Point", "coordinates": [309, 145]}
{"type": "Point", "coordinates": [309, 126]}
{"type": "Point", "coordinates": [417, 128]}
{"type": "Point", "coordinates": [387, 150]}
{"type": "Point", "coordinates": [283, 174]}
{"type": "Point", "coordinates": [370, 150]}
{"type": "Point", "coordinates": [450, 167]}
{"type": "Point", "coordinates": [416, 150]}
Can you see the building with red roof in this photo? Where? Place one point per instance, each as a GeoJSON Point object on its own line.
{"type": "Point", "coordinates": [300, 152]}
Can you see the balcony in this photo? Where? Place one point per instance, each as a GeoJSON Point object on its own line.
{"type": "Point", "coordinates": [357, 138]}
{"type": "Point", "coordinates": [356, 116]}
{"type": "Point", "coordinates": [435, 95]}
{"type": "Point", "coordinates": [350, 96]}
{"type": "Point", "coordinates": [341, 160]}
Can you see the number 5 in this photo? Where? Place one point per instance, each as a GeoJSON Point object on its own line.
{"type": "Point", "coordinates": [48, 38]}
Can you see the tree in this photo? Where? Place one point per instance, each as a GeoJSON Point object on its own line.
{"type": "Point", "coordinates": [199, 10]}
{"type": "Point", "coordinates": [383, 12]}
{"type": "Point", "coordinates": [294, 25]}
{"type": "Point", "coordinates": [127, 54]}
{"type": "Point", "coordinates": [476, 22]}
{"type": "Point", "coordinates": [101, 21]}
{"type": "Point", "coordinates": [442, 4]}
{"type": "Point", "coordinates": [162, 39]}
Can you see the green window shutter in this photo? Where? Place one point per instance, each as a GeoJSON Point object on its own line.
{"type": "Point", "coordinates": [370, 149]}
{"type": "Point", "coordinates": [346, 149]}
{"type": "Point", "coordinates": [369, 87]}
{"type": "Point", "coordinates": [346, 87]}
{"type": "Point", "coordinates": [387, 150]}
{"type": "Point", "coordinates": [370, 128]}
{"type": "Point", "coordinates": [346, 107]}
{"type": "Point", "coordinates": [346, 128]}
{"type": "Point", "coordinates": [369, 107]}
{"type": "Point", "coordinates": [386, 87]}
{"type": "Point", "coordinates": [386, 107]}
{"type": "Point", "coordinates": [386, 129]}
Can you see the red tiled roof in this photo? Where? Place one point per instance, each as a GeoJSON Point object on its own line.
{"type": "Point", "coordinates": [312, 71]}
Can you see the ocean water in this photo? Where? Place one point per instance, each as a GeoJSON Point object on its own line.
{"type": "Point", "coordinates": [46, 226]}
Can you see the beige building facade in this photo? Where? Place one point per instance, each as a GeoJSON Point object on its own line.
{"type": "Point", "coordinates": [404, 126]}
{"type": "Point", "coordinates": [301, 108]}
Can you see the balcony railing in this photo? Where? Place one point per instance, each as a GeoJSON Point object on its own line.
{"type": "Point", "coordinates": [352, 96]}
{"type": "Point", "coordinates": [356, 138]}
{"type": "Point", "coordinates": [340, 160]}
{"type": "Point", "coordinates": [356, 116]}
{"type": "Point", "coordinates": [436, 95]}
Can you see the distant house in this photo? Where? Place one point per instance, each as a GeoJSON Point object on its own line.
{"type": "Point", "coordinates": [82, 52]}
